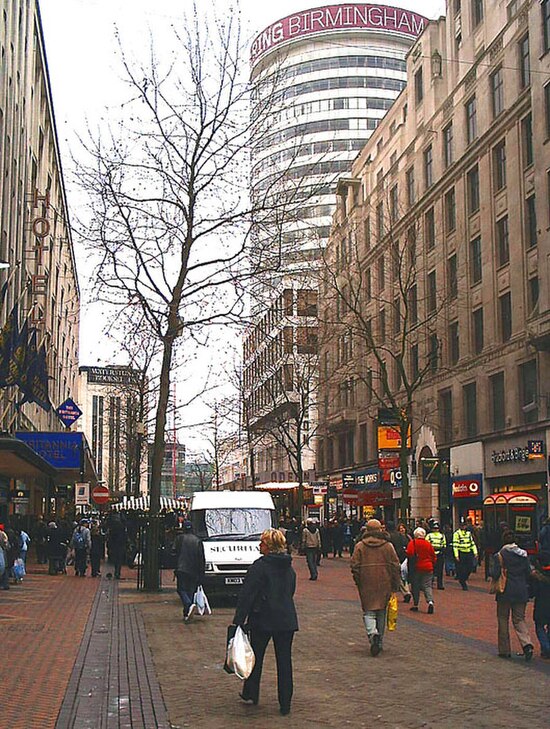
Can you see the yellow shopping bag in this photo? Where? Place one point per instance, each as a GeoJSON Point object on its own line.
{"type": "Point", "coordinates": [392, 613]}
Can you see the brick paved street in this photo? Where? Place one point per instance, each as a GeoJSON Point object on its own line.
{"type": "Point", "coordinates": [436, 671]}
{"type": "Point", "coordinates": [78, 652]}
{"type": "Point", "coordinates": [42, 622]}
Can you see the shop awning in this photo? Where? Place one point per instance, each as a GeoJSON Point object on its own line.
{"type": "Point", "coordinates": [141, 503]}
{"type": "Point", "coordinates": [19, 461]}
{"type": "Point", "coordinates": [279, 486]}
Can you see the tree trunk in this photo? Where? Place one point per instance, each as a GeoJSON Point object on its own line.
{"type": "Point", "coordinates": [299, 470]}
{"type": "Point", "coordinates": [252, 466]}
{"type": "Point", "coordinates": [151, 560]}
{"type": "Point", "coordinates": [404, 467]}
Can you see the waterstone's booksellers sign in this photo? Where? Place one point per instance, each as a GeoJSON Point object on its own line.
{"type": "Point", "coordinates": [353, 16]}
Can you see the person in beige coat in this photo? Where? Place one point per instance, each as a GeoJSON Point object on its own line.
{"type": "Point", "coordinates": [311, 544]}
{"type": "Point", "coordinates": [376, 572]}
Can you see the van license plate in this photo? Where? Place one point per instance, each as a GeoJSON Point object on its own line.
{"type": "Point", "coordinates": [234, 580]}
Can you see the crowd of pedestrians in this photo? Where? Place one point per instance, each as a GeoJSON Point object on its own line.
{"type": "Point", "coordinates": [65, 545]}
{"type": "Point", "coordinates": [389, 558]}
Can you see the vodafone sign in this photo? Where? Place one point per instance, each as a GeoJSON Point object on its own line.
{"type": "Point", "coordinates": [338, 17]}
{"type": "Point", "coordinates": [467, 489]}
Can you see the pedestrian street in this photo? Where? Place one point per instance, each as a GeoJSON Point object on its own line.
{"type": "Point", "coordinates": [100, 654]}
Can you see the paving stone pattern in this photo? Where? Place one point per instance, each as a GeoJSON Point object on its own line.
{"type": "Point", "coordinates": [113, 683]}
{"type": "Point", "coordinates": [436, 671]}
{"type": "Point", "coordinates": [42, 621]}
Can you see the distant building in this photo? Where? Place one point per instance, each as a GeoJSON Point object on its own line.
{"type": "Point", "coordinates": [198, 477]}
{"type": "Point", "coordinates": [328, 76]}
{"type": "Point", "coordinates": [113, 400]}
{"type": "Point", "coordinates": [172, 479]}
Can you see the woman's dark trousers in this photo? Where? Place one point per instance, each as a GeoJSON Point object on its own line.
{"type": "Point", "coordinates": [282, 641]}
{"type": "Point", "coordinates": [80, 561]}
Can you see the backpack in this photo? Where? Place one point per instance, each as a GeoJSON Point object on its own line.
{"type": "Point", "coordinates": [78, 540]}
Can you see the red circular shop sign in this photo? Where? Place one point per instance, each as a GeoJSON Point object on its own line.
{"type": "Point", "coordinates": [100, 494]}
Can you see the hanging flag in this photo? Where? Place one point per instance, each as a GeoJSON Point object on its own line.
{"type": "Point", "coordinates": [26, 359]}
{"type": "Point", "coordinates": [19, 359]}
{"type": "Point", "coordinates": [9, 337]}
{"type": "Point", "coordinates": [34, 385]}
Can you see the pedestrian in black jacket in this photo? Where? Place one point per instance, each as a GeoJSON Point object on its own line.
{"type": "Point", "coordinates": [514, 561]}
{"type": "Point", "coordinates": [266, 603]}
{"type": "Point", "coordinates": [116, 543]}
{"type": "Point", "coordinates": [190, 564]}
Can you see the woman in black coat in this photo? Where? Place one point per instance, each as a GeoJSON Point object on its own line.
{"type": "Point", "coordinates": [514, 561]}
{"type": "Point", "coordinates": [266, 603]}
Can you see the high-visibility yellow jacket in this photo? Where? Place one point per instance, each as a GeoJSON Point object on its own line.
{"type": "Point", "coordinates": [463, 543]}
{"type": "Point", "coordinates": [438, 541]}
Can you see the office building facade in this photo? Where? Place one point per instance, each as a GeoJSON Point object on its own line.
{"type": "Point", "coordinates": [447, 211]}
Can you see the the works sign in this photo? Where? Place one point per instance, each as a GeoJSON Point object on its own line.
{"type": "Point", "coordinates": [337, 17]}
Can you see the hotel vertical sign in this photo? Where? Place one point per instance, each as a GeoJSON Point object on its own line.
{"type": "Point", "coordinates": [40, 230]}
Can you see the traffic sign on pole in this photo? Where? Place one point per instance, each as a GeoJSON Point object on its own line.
{"type": "Point", "coordinates": [100, 495]}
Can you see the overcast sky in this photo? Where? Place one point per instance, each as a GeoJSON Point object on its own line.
{"type": "Point", "coordinates": [81, 47]}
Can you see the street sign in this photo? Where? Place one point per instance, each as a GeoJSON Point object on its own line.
{"type": "Point", "coordinates": [81, 494]}
{"type": "Point", "coordinates": [431, 470]}
{"type": "Point", "coordinates": [100, 494]}
{"type": "Point", "coordinates": [68, 412]}
{"type": "Point", "coordinates": [20, 496]}
{"type": "Point", "coordinates": [396, 477]}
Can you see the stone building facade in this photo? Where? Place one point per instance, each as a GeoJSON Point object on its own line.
{"type": "Point", "coordinates": [38, 286]}
{"type": "Point", "coordinates": [442, 231]}
{"type": "Point", "coordinates": [35, 235]}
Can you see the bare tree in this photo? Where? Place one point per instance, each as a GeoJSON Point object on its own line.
{"type": "Point", "coordinates": [383, 307]}
{"type": "Point", "coordinates": [169, 215]}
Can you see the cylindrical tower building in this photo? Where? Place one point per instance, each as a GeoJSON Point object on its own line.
{"type": "Point", "coordinates": [323, 79]}
{"type": "Point", "coordinates": [333, 71]}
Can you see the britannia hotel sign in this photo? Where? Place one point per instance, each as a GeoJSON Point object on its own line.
{"type": "Point", "coordinates": [337, 17]}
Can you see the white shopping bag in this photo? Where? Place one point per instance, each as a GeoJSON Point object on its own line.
{"type": "Point", "coordinates": [240, 657]}
{"type": "Point", "coordinates": [405, 571]}
{"type": "Point", "coordinates": [201, 602]}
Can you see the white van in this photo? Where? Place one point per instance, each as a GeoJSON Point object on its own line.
{"type": "Point", "coordinates": [230, 524]}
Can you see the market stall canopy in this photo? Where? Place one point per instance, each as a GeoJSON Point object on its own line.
{"type": "Point", "coordinates": [18, 460]}
{"type": "Point", "coordinates": [141, 503]}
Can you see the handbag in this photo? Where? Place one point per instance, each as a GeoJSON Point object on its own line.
{"type": "Point", "coordinates": [498, 584]}
{"type": "Point", "coordinates": [231, 629]}
{"type": "Point", "coordinates": [391, 613]}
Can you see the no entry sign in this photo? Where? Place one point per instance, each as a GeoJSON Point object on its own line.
{"type": "Point", "coordinates": [100, 494]}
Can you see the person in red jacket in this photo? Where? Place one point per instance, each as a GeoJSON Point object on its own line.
{"type": "Point", "coordinates": [422, 561]}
